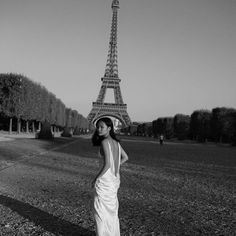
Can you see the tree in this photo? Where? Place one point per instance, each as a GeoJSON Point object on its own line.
{"type": "Point", "coordinates": [67, 132]}
{"type": "Point", "coordinates": [24, 100]}
{"type": "Point", "coordinates": [12, 97]}
{"type": "Point", "coordinates": [163, 125]}
{"type": "Point", "coordinates": [222, 124]}
{"type": "Point", "coordinates": [181, 126]}
{"type": "Point", "coordinates": [200, 125]}
{"type": "Point", "coordinates": [233, 128]}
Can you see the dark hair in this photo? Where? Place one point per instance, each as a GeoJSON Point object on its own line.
{"type": "Point", "coordinates": [96, 139]}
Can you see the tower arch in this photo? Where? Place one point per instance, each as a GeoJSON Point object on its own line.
{"type": "Point", "coordinates": [109, 115]}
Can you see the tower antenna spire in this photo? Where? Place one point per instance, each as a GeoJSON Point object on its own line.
{"type": "Point", "coordinates": [112, 63]}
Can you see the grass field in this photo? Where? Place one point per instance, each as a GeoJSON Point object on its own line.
{"type": "Point", "coordinates": [190, 186]}
{"type": "Point", "coordinates": [174, 189]}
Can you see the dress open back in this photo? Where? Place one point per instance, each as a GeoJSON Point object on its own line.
{"type": "Point", "coordinates": [105, 200]}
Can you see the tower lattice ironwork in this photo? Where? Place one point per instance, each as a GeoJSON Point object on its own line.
{"type": "Point", "coordinates": [111, 80]}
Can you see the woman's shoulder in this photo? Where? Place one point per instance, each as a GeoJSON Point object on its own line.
{"type": "Point", "coordinates": [105, 141]}
{"type": "Point", "coordinates": [109, 142]}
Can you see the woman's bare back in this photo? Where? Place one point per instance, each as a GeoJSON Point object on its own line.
{"type": "Point", "coordinates": [115, 155]}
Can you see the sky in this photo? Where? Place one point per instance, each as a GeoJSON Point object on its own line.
{"type": "Point", "coordinates": [174, 56]}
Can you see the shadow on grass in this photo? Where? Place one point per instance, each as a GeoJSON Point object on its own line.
{"type": "Point", "coordinates": [41, 218]}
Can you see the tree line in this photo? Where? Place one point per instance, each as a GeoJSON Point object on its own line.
{"type": "Point", "coordinates": [25, 105]}
{"type": "Point", "coordinates": [217, 125]}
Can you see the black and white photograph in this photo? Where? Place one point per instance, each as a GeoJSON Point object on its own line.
{"type": "Point", "coordinates": [117, 117]}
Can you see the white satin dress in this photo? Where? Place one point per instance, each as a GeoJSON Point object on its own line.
{"type": "Point", "coordinates": [105, 200]}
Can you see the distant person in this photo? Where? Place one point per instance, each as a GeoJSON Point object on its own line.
{"type": "Point", "coordinates": [107, 181]}
{"type": "Point", "coordinates": [161, 139]}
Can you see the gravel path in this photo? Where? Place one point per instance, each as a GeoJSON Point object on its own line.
{"type": "Point", "coordinates": [46, 194]}
{"type": "Point", "coordinates": [45, 190]}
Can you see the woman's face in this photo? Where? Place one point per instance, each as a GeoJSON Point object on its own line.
{"type": "Point", "coordinates": [103, 129]}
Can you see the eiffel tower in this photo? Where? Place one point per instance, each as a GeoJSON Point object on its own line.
{"type": "Point", "coordinates": [110, 80]}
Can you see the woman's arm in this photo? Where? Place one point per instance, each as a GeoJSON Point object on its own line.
{"type": "Point", "coordinates": [106, 163]}
{"type": "Point", "coordinates": [124, 156]}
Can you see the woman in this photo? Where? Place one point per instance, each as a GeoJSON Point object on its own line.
{"type": "Point", "coordinates": [107, 181]}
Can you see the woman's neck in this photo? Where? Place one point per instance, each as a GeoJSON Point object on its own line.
{"type": "Point", "coordinates": [107, 136]}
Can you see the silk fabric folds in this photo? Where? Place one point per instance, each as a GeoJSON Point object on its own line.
{"type": "Point", "coordinates": [106, 202]}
